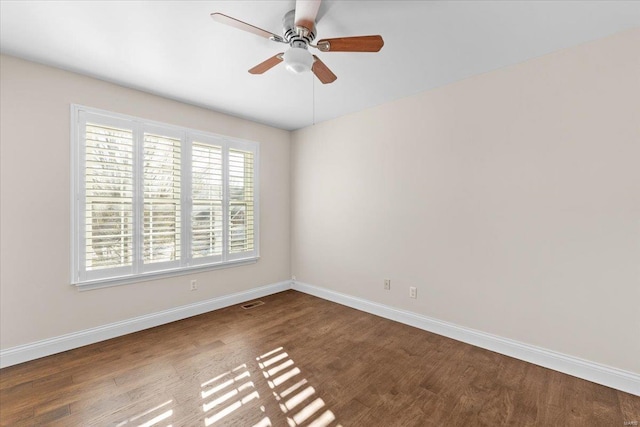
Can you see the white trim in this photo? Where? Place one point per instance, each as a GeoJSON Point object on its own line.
{"type": "Point", "coordinates": [611, 377]}
{"type": "Point", "coordinates": [47, 347]}
{"type": "Point", "coordinates": [225, 203]}
{"type": "Point", "coordinates": [74, 115]}
{"type": "Point", "coordinates": [162, 274]}
{"type": "Point", "coordinates": [177, 128]}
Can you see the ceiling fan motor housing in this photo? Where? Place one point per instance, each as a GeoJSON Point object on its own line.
{"type": "Point", "coordinates": [297, 36]}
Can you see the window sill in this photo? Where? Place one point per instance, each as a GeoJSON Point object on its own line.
{"type": "Point", "coordinates": [118, 281]}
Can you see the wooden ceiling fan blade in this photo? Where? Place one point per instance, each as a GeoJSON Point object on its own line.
{"type": "Point", "coordinates": [322, 72]}
{"type": "Point", "coordinates": [241, 25]}
{"type": "Point", "coordinates": [351, 44]}
{"type": "Point", "coordinates": [267, 65]}
{"type": "Point", "coordinates": [306, 12]}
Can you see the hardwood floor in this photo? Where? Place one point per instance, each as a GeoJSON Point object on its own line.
{"type": "Point", "coordinates": [298, 360]}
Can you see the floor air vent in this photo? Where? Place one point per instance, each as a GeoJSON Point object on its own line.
{"type": "Point", "coordinates": [252, 304]}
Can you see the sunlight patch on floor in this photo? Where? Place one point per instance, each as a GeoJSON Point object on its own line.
{"type": "Point", "coordinates": [137, 420]}
{"type": "Point", "coordinates": [228, 392]}
{"type": "Point", "coordinates": [296, 399]}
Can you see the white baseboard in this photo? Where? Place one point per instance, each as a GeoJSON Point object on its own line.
{"type": "Point", "coordinates": [38, 349]}
{"type": "Point", "coordinates": [611, 377]}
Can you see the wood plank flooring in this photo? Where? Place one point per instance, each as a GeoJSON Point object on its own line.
{"type": "Point", "coordinates": [298, 361]}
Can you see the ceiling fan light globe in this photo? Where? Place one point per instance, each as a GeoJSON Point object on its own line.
{"type": "Point", "coordinates": [298, 60]}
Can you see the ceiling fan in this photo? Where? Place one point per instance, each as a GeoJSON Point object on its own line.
{"type": "Point", "coordinates": [299, 32]}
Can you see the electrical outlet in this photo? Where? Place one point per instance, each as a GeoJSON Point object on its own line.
{"type": "Point", "coordinates": [194, 285]}
{"type": "Point", "coordinates": [413, 292]}
{"type": "Point", "coordinates": [387, 284]}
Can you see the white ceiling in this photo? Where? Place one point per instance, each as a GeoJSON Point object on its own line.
{"type": "Point", "coordinates": [174, 48]}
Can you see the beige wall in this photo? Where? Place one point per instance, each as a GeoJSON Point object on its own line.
{"type": "Point", "coordinates": [511, 200]}
{"type": "Point", "coordinates": [37, 300]}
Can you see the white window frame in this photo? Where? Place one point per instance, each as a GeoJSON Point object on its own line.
{"type": "Point", "coordinates": [139, 271]}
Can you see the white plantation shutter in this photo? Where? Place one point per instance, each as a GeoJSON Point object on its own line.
{"type": "Point", "coordinates": [108, 182]}
{"type": "Point", "coordinates": [152, 199]}
{"type": "Point", "coordinates": [162, 190]}
{"type": "Point", "coordinates": [241, 207]}
{"type": "Point", "coordinates": [207, 200]}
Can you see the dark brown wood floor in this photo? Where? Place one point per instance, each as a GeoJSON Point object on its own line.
{"type": "Point", "coordinates": [298, 360]}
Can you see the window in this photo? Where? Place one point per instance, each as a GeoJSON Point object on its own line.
{"type": "Point", "coordinates": [152, 199]}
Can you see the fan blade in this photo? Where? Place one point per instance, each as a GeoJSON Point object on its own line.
{"type": "Point", "coordinates": [240, 25]}
{"type": "Point", "coordinates": [322, 72]}
{"type": "Point", "coordinates": [306, 11]}
{"type": "Point", "coordinates": [267, 65]}
{"type": "Point", "coordinates": [351, 44]}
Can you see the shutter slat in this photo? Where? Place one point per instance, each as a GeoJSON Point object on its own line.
{"type": "Point", "coordinates": [241, 193]}
{"type": "Point", "coordinates": [109, 203]}
{"type": "Point", "coordinates": [161, 193]}
{"type": "Point", "coordinates": [206, 193]}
